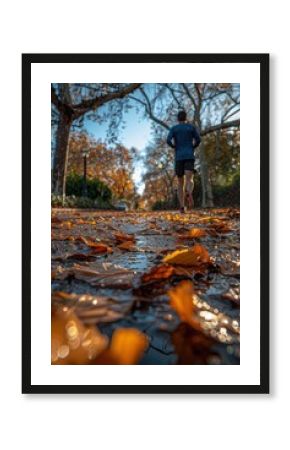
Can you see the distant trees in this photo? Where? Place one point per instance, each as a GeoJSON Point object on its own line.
{"type": "Point", "coordinates": [159, 177]}
{"type": "Point", "coordinates": [70, 103]}
{"type": "Point", "coordinates": [111, 165]}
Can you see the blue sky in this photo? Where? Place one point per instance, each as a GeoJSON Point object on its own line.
{"type": "Point", "coordinates": [136, 133]}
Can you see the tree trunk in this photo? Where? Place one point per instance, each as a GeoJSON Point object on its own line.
{"type": "Point", "coordinates": [61, 155]}
{"type": "Point", "coordinates": [210, 203]}
{"type": "Point", "coordinates": [217, 145]}
{"type": "Point", "coordinates": [207, 197]}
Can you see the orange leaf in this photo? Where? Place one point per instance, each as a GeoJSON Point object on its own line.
{"type": "Point", "coordinates": [195, 256]}
{"type": "Point", "coordinates": [96, 246]}
{"type": "Point", "coordinates": [181, 300]}
{"type": "Point", "coordinates": [197, 232]}
{"type": "Point", "coordinates": [158, 273]}
{"type": "Point", "coordinates": [127, 245]}
{"type": "Point", "coordinates": [127, 347]}
{"type": "Point", "coordinates": [193, 233]}
{"type": "Point", "coordinates": [71, 341]}
{"type": "Point", "coordinates": [121, 237]}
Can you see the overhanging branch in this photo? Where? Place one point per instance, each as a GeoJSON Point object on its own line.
{"type": "Point", "coordinates": [221, 126]}
{"type": "Point", "coordinates": [87, 105]}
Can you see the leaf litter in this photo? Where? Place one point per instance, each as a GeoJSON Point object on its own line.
{"type": "Point", "coordinates": [145, 288]}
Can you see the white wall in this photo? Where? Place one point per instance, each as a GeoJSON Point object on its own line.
{"type": "Point", "coordinates": [141, 422]}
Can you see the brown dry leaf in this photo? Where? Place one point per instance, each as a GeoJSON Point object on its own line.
{"type": "Point", "coordinates": [97, 247]}
{"type": "Point", "coordinates": [77, 257]}
{"type": "Point", "coordinates": [121, 237]}
{"type": "Point", "coordinates": [179, 270]}
{"type": "Point", "coordinates": [195, 256]}
{"type": "Point", "coordinates": [127, 245]}
{"type": "Point", "coordinates": [220, 227]}
{"type": "Point", "coordinates": [158, 273]}
{"type": "Point", "coordinates": [181, 300]}
{"type": "Point", "coordinates": [128, 345]}
{"type": "Point", "coordinates": [92, 309]}
{"type": "Point", "coordinates": [104, 275]}
{"type": "Point", "coordinates": [71, 341]}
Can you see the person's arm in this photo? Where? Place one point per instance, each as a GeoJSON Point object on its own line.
{"type": "Point", "coordinates": [169, 139]}
{"type": "Point", "coordinates": [196, 137]}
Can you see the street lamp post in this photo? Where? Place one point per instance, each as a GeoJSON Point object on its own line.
{"type": "Point", "coordinates": [85, 153]}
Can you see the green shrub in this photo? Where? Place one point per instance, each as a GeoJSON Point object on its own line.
{"type": "Point", "coordinates": [96, 189]}
{"type": "Point", "coordinates": [79, 202]}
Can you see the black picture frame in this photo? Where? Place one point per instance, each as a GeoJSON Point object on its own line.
{"type": "Point", "coordinates": [27, 61]}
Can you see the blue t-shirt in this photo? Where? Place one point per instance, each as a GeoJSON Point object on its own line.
{"type": "Point", "coordinates": [180, 137]}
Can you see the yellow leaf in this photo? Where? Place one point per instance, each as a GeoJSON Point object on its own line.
{"type": "Point", "coordinates": [195, 256]}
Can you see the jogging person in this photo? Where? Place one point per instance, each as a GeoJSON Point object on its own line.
{"type": "Point", "coordinates": [184, 138]}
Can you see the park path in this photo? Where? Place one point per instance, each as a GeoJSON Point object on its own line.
{"type": "Point", "coordinates": [130, 270]}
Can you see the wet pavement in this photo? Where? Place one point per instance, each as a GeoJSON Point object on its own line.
{"type": "Point", "coordinates": [105, 288]}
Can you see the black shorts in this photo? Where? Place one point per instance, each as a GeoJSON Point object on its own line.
{"type": "Point", "coordinates": [182, 165]}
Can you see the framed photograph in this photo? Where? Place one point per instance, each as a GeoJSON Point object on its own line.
{"type": "Point", "coordinates": [145, 223]}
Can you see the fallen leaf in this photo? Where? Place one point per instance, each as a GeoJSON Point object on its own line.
{"type": "Point", "coordinates": [127, 245]}
{"type": "Point", "coordinates": [181, 300]}
{"type": "Point", "coordinates": [104, 275]}
{"type": "Point", "coordinates": [220, 227]}
{"type": "Point", "coordinates": [158, 273]}
{"type": "Point", "coordinates": [97, 247]}
{"type": "Point", "coordinates": [92, 309]}
{"type": "Point", "coordinates": [193, 233]}
{"type": "Point", "coordinates": [195, 256]}
{"type": "Point", "coordinates": [121, 237]}
{"type": "Point", "coordinates": [77, 257]}
{"type": "Point", "coordinates": [128, 345]}
{"type": "Point", "coordinates": [71, 341]}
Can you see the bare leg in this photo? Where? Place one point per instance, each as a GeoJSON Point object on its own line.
{"type": "Point", "coordinates": [181, 191]}
{"type": "Point", "coordinates": [189, 187]}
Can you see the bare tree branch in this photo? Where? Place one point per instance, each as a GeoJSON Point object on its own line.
{"type": "Point", "coordinates": [150, 111]}
{"type": "Point", "coordinates": [189, 94]}
{"type": "Point", "coordinates": [86, 105]}
{"type": "Point", "coordinates": [173, 93]}
{"type": "Point", "coordinates": [221, 126]}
